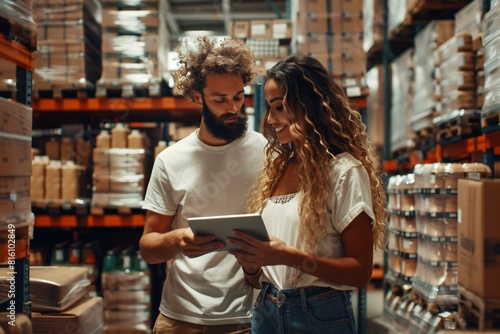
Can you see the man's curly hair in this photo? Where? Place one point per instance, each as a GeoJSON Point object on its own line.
{"type": "Point", "coordinates": [231, 56]}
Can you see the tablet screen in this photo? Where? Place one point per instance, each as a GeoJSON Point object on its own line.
{"type": "Point", "coordinates": [222, 227]}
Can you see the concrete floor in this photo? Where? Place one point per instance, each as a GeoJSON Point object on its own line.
{"type": "Point", "coordinates": [376, 324]}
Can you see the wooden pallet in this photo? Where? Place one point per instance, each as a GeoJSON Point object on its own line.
{"type": "Point", "coordinates": [25, 34]}
{"type": "Point", "coordinates": [111, 89]}
{"type": "Point", "coordinates": [475, 312]}
{"type": "Point", "coordinates": [425, 138]}
{"type": "Point", "coordinates": [456, 131]}
{"type": "Point", "coordinates": [490, 123]}
{"type": "Point", "coordinates": [458, 127]}
{"type": "Point", "coordinates": [63, 91]}
{"type": "Point", "coordinates": [402, 152]}
{"type": "Point", "coordinates": [432, 9]}
{"type": "Point", "coordinates": [60, 207]}
{"type": "Point", "coordinates": [8, 94]}
{"type": "Point", "coordinates": [114, 210]}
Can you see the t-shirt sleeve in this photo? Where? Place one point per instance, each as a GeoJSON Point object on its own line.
{"type": "Point", "coordinates": [351, 196]}
{"type": "Point", "coordinates": [159, 192]}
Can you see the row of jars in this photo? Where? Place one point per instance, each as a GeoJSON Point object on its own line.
{"type": "Point", "coordinates": [432, 187]}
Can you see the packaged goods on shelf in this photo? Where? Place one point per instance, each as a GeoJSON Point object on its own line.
{"type": "Point", "coordinates": [71, 61]}
{"type": "Point", "coordinates": [85, 317]}
{"type": "Point", "coordinates": [402, 81]}
{"type": "Point", "coordinates": [15, 139]}
{"type": "Point", "coordinates": [491, 105]}
{"type": "Point", "coordinates": [17, 22]}
{"type": "Point", "coordinates": [118, 177]}
{"type": "Point", "coordinates": [373, 25]}
{"type": "Point", "coordinates": [427, 42]}
{"type": "Point", "coordinates": [470, 18]}
{"type": "Point", "coordinates": [126, 284]}
{"type": "Point", "coordinates": [135, 44]}
{"type": "Point", "coordinates": [53, 289]}
{"type": "Point", "coordinates": [375, 105]}
{"type": "Point", "coordinates": [478, 265]}
{"type": "Point", "coordinates": [396, 14]}
{"type": "Point", "coordinates": [437, 217]}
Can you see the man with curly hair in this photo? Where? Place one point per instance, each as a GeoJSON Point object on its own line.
{"type": "Point", "coordinates": [210, 172]}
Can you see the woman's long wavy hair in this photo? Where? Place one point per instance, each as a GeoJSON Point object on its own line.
{"type": "Point", "coordinates": [324, 124]}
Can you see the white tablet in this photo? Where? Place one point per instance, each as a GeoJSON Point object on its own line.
{"type": "Point", "coordinates": [222, 227]}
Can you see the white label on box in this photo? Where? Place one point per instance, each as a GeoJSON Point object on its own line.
{"type": "Point", "coordinates": [279, 30]}
{"type": "Point", "coordinates": [407, 243]}
{"type": "Point", "coordinates": [459, 215]}
{"type": "Point", "coordinates": [474, 176]}
{"type": "Point", "coordinates": [402, 223]}
{"type": "Point", "coordinates": [258, 29]}
{"type": "Point", "coordinates": [350, 82]}
{"type": "Point", "coordinates": [432, 179]}
{"type": "Point", "coordinates": [353, 91]}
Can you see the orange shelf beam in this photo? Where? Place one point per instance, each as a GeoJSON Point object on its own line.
{"type": "Point", "coordinates": [134, 220]}
{"type": "Point", "coordinates": [113, 104]}
{"type": "Point", "coordinates": [492, 140]}
{"type": "Point", "coordinates": [377, 273]}
{"type": "Point", "coordinates": [63, 221]}
{"type": "Point", "coordinates": [460, 149]}
{"type": "Point", "coordinates": [16, 53]}
{"type": "Point", "coordinates": [21, 251]}
{"type": "Point", "coordinates": [390, 166]}
{"type": "Point", "coordinates": [118, 105]}
{"type": "Point", "coordinates": [359, 102]}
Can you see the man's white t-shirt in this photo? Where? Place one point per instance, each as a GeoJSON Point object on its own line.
{"type": "Point", "coordinates": [191, 179]}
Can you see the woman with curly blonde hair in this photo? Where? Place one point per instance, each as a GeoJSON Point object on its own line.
{"type": "Point", "coordinates": [322, 200]}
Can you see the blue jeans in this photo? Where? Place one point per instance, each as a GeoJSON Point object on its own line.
{"type": "Point", "coordinates": [307, 310]}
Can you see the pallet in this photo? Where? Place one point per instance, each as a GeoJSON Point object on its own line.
{"type": "Point", "coordinates": [458, 127]}
{"type": "Point", "coordinates": [13, 30]}
{"type": "Point", "coordinates": [490, 123]}
{"type": "Point", "coordinates": [8, 94]}
{"type": "Point", "coordinates": [115, 90]}
{"type": "Point", "coordinates": [60, 207]}
{"type": "Point", "coordinates": [475, 312]}
{"type": "Point", "coordinates": [434, 9]}
{"type": "Point", "coordinates": [63, 91]}
{"type": "Point", "coordinates": [114, 210]}
{"type": "Point", "coordinates": [425, 138]}
{"type": "Point", "coordinates": [402, 153]}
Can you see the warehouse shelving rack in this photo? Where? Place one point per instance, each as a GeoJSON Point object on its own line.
{"type": "Point", "coordinates": [23, 58]}
{"type": "Point", "coordinates": [486, 144]}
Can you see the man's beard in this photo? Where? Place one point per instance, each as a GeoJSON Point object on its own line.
{"type": "Point", "coordinates": [228, 132]}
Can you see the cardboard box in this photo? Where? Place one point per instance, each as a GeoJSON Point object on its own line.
{"type": "Point", "coordinates": [314, 6]}
{"type": "Point", "coordinates": [282, 28]}
{"type": "Point", "coordinates": [241, 29]}
{"type": "Point", "coordinates": [479, 237]}
{"type": "Point", "coordinates": [351, 5]}
{"type": "Point", "coordinates": [261, 29]}
{"type": "Point", "coordinates": [469, 18]}
{"type": "Point", "coordinates": [85, 317]}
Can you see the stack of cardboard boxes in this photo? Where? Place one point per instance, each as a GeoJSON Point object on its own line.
{"type": "Point", "coordinates": [134, 48]}
{"type": "Point", "coordinates": [68, 57]}
{"type": "Point", "coordinates": [332, 31]}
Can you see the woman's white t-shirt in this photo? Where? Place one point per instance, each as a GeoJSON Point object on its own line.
{"type": "Point", "coordinates": [349, 196]}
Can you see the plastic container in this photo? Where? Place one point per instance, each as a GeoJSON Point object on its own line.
{"type": "Point", "coordinates": [119, 136]}
{"type": "Point", "coordinates": [135, 139]}
{"type": "Point", "coordinates": [160, 147]}
{"type": "Point", "coordinates": [103, 140]}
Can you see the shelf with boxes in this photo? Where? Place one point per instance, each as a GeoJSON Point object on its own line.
{"type": "Point", "coordinates": [453, 111]}
{"type": "Point", "coordinates": [16, 218]}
